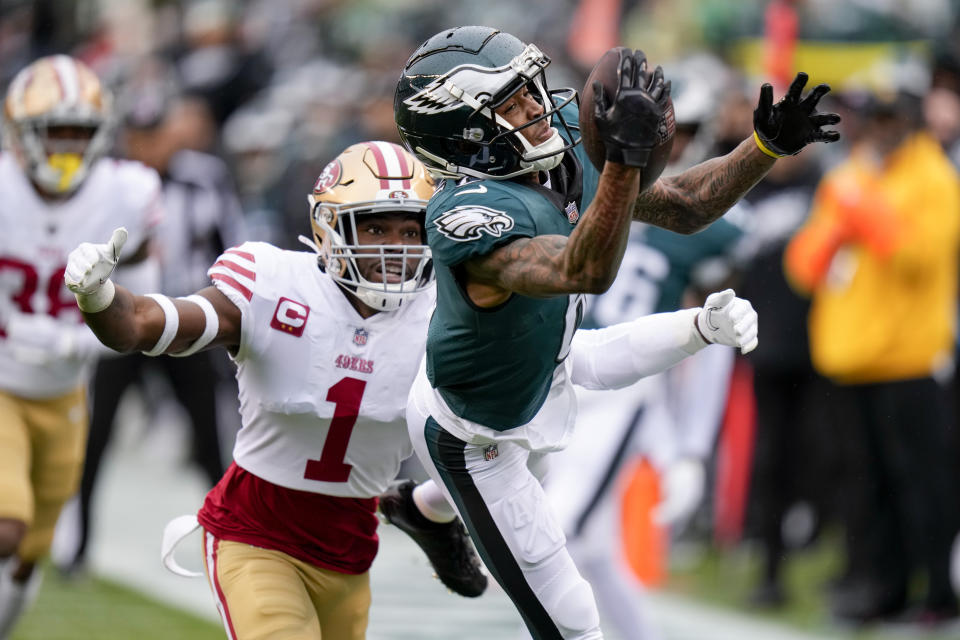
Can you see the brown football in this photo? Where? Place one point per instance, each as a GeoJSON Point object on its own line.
{"type": "Point", "coordinates": [607, 73]}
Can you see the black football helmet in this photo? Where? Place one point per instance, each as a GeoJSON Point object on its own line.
{"type": "Point", "coordinates": [445, 100]}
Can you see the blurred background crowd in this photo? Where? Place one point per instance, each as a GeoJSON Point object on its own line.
{"type": "Point", "coordinates": [841, 426]}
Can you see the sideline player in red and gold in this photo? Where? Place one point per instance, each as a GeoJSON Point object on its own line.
{"type": "Point", "coordinates": [55, 188]}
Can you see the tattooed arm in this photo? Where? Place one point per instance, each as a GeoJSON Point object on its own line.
{"type": "Point", "coordinates": [552, 265]}
{"type": "Point", "coordinates": [690, 201]}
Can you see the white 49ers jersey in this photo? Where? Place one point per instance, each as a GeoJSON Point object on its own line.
{"type": "Point", "coordinates": [37, 237]}
{"type": "Point", "coordinates": [322, 391]}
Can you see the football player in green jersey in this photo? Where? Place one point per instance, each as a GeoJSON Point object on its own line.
{"type": "Point", "coordinates": [521, 227]}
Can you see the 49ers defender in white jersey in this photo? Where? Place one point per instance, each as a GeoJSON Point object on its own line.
{"type": "Point", "coordinates": [327, 344]}
{"type": "Point", "coordinates": [323, 390]}
{"type": "Point", "coordinates": [55, 189]}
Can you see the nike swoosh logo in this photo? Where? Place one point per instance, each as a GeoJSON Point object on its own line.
{"type": "Point", "coordinates": [479, 189]}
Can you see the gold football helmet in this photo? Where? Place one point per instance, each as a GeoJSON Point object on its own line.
{"type": "Point", "coordinates": [57, 122]}
{"type": "Point", "coordinates": [371, 178]}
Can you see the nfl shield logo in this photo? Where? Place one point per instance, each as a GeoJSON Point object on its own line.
{"type": "Point", "coordinates": [360, 336]}
{"type": "Point", "coordinates": [572, 213]}
{"type": "Point", "coordinates": [490, 452]}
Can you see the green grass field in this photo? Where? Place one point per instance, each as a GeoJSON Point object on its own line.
{"type": "Point", "coordinates": [91, 608]}
{"type": "Point", "coordinates": [95, 609]}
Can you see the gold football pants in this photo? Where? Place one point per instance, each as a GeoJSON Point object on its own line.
{"type": "Point", "coordinates": [41, 456]}
{"type": "Point", "coordinates": [263, 594]}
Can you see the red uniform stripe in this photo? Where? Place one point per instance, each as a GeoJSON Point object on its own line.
{"type": "Point", "coordinates": [227, 280]}
{"type": "Point", "coordinates": [60, 84]}
{"type": "Point", "coordinates": [381, 165]}
{"type": "Point", "coordinates": [233, 266]}
{"type": "Point", "coordinates": [242, 254]}
{"type": "Point", "coordinates": [215, 579]}
{"type": "Point", "coordinates": [405, 169]}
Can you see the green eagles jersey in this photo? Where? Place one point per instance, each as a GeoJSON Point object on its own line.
{"type": "Point", "coordinates": [494, 366]}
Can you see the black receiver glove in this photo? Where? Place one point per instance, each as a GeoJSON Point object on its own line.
{"type": "Point", "coordinates": [783, 129]}
{"type": "Point", "coordinates": [627, 124]}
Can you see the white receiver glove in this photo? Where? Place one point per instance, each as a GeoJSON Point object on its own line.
{"type": "Point", "coordinates": [683, 485]}
{"type": "Point", "coordinates": [88, 272]}
{"type": "Point", "coordinates": [728, 320]}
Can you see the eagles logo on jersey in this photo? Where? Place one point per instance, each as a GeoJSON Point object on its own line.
{"type": "Point", "coordinates": [465, 223]}
{"type": "Point", "coordinates": [371, 178]}
{"type": "Point", "coordinates": [57, 121]}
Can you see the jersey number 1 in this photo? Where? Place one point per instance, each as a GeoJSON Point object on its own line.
{"type": "Point", "coordinates": [346, 396]}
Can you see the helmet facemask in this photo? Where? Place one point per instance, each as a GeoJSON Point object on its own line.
{"type": "Point", "coordinates": [58, 121]}
{"type": "Point", "coordinates": [57, 164]}
{"type": "Point", "coordinates": [548, 154]}
{"type": "Point", "coordinates": [373, 180]}
{"type": "Point", "coordinates": [400, 271]}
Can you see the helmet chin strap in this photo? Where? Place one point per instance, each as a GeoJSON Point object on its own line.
{"type": "Point", "coordinates": [388, 299]}
{"type": "Point", "coordinates": [551, 148]}
{"type": "Point", "coordinates": [553, 144]}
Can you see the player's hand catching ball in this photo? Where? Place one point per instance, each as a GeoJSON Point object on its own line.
{"type": "Point", "coordinates": [628, 122]}
{"type": "Point", "coordinates": [88, 272]}
{"type": "Point", "coordinates": [729, 320]}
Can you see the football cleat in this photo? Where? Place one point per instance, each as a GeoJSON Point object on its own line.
{"type": "Point", "coordinates": [446, 544]}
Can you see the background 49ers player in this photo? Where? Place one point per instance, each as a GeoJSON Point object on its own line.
{"type": "Point", "coordinates": [325, 357]}
{"type": "Point", "coordinates": [55, 189]}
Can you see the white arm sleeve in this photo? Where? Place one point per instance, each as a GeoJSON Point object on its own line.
{"type": "Point", "coordinates": [623, 353]}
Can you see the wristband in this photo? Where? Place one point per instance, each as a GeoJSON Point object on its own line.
{"type": "Point", "coordinates": [98, 300]}
{"type": "Point", "coordinates": [700, 333]}
{"type": "Point", "coordinates": [210, 329]}
{"type": "Point", "coordinates": [695, 340]}
{"type": "Point", "coordinates": [170, 325]}
{"type": "Point", "coordinates": [765, 148]}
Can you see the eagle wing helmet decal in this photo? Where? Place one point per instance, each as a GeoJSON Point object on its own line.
{"type": "Point", "coordinates": [468, 222]}
{"type": "Point", "coordinates": [475, 81]}
{"type": "Point", "coordinates": [474, 85]}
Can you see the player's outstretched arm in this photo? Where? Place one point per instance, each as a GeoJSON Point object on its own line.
{"type": "Point", "coordinates": [551, 265]}
{"type": "Point", "coordinates": [619, 355]}
{"type": "Point", "coordinates": [588, 260]}
{"type": "Point", "coordinates": [691, 200]}
{"type": "Point", "coordinates": [154, 323]}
